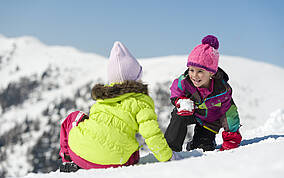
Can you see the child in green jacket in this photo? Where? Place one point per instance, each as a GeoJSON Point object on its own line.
{"type": "Point", "coordinates": [123, 108]}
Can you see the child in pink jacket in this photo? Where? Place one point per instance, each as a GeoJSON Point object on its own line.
{"type": "Point", "coordinates": [202, 96]}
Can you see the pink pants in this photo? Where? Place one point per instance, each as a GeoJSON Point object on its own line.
{"type": "Point", "coordinates": [71, 121]}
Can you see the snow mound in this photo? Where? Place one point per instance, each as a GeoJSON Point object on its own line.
{"type": "Point", "coordinates": [276, 122]}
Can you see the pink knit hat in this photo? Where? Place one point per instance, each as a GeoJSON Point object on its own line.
{"type": "Point", "coordinates": [205, 55]}
{"type": "Point", "coordinates": [122, 65]}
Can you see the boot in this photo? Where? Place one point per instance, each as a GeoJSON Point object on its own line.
{"type": "Point", "coordinates": [69, 167]}
{"type": "Point", "coordinates": [203, 139]}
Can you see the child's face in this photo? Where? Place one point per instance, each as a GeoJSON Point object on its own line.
{"type": "Point", "coordinates": [199, 77]}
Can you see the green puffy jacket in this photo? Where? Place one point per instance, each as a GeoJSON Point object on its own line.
{"type": "Point", "coordinates": [120, 111]}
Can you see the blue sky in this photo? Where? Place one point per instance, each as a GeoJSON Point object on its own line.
{"type": "Point", "coordinates": [149, 28]}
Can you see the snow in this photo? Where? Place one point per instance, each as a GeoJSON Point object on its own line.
{"type": "Point", "coordinates": [257, 90]}
{"type": "Point", "coordinates": [246, 161]}
{"type": "Point", "coordinates": [260, 155]}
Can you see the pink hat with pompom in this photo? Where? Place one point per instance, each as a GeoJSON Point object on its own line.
{"type": "Point", "coordinates": [205, 55]}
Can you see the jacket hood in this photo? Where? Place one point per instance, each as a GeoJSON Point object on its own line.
{"type": "Point", "coordinates": [221, 75]}
{"type": "Point", "coordinates": [101, 91]}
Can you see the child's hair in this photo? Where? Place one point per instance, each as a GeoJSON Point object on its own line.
{"type": "Point", "coordinates": [123, 65]}
{"type": "Point", "coordinates": [205, 55]}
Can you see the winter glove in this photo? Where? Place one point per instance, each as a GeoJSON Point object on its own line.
{"type": "Point", "coordinates": [230, 140]}
{"type": "Point", "coordinates": [185, 106]}
{"type": "Point", "coordinates": [175, 156]}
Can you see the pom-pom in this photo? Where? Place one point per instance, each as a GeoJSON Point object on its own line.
{"type": "Point", "coordinates": [211, 40]}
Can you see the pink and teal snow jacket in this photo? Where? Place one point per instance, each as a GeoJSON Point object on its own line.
{"type": "Point", "coordinates": [216, 110]}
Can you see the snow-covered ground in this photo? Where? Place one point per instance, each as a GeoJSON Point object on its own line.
{"type": "Point", "coordinates": [260, 155]}
{"type": "Point", "coordinates": [59, 72]}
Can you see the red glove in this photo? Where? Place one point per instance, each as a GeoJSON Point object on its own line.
{"type": "Point", "coordinates": [185, 106]}
{"type": "Point", "coordinates": [230, 140]}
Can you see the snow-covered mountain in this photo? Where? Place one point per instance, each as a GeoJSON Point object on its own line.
{"type": "Point", "coordinates": [40, 85]}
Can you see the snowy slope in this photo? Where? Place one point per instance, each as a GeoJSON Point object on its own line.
{"type": "Point", "coordinates": [27, 57]}
{"type": "Point", "coordinates": [260, 155]}
{"type": "Point", "coordinates": [51, 81]}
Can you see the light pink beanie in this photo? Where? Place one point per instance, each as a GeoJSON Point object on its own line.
{"type": "Point", "coordinates": [122, 65]}
{"type": "Point", "coordinates": [205, 55]}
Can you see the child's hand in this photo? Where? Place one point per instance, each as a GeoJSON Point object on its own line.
{"type": "Point", "coordinates": [230, 140]}
{"type": "Point", "coordinates": [185, 107]}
